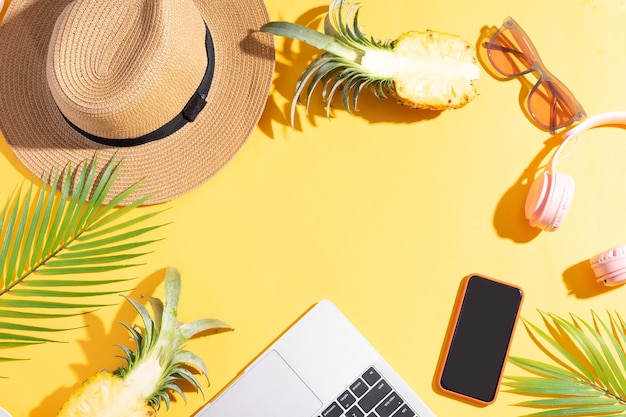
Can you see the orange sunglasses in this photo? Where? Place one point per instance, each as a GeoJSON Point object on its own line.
{"type": "Point", "coordinates": [550, 103]}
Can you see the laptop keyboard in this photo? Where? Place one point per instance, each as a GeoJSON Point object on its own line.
{"type": "Point", "coordinates": [369, 396]}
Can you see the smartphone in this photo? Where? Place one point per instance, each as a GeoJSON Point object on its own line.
{"type": "Point", "coordinates": [477, 346]}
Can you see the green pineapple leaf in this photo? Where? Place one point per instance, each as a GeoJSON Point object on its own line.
{"type": "Point", "coordinates": [162, 337]}
{"type": "Point", "coordinates": [53, 244]}
{"type": "Point", "coordinates": [587, 376]}
{"type": "Point", "coordinates": [339, 67]}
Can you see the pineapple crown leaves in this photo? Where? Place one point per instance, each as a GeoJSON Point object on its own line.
{"type": "Point", "coordinates": [348, 30]}
{"type": "Point", "coordinates": [588, 377]}
{"type": "Point", "coordinates": [52, 244]}
{"type": "Point", "coordinates": [339, 67]}
{"type": "Point", "coordinates": [162, 338]}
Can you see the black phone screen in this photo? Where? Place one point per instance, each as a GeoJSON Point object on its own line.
{"type": "Point", "coordinates": [480, 339]}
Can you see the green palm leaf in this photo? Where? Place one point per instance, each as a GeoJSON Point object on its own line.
{"type": "Point", "coordinates": [52, 240]}
{"type": "Point", "coordinates": [589, 374]}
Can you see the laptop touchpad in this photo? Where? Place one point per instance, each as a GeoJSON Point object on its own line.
{"type": "Point", "coordinates": [270, 388]}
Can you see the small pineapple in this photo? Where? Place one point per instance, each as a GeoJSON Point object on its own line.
{"type": "Point", "coordinates": [153, 372]}
{"type": "Point", "coordinates": [424, 70]}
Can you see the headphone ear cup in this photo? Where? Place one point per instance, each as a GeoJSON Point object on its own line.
{"type": "Point", "coordinates": [549, 199]}
{"type": "Point", "coordinates": [610, 266]}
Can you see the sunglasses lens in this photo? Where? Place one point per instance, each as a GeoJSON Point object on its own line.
{"type": "Point", "coordinates": [510, 53]}
{"type": "Point", "coordinates": [551, 106]}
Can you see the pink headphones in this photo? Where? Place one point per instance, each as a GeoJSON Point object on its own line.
{"type": "Point", "coordinates": [550, 197]}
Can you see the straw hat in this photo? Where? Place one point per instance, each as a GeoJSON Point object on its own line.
{"type": "Point", "coordinates": [129, 78]}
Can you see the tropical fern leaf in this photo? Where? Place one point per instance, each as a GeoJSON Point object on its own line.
{"type": "Point", "coordinates": [51, 242]}
{"type": "Point", "coordinates": [587, 376]}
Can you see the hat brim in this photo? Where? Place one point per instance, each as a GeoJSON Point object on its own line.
{"type": "Point", "coordinates": [43, 141]}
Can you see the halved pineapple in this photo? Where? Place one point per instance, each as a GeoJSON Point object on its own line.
{"type": "Point", "coordinates": [154, 371]}
{"type": "Point", "coordinates": [424, 70]}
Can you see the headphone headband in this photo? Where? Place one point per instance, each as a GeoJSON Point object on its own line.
{"type": "Point", "coordinates": [616, 117]}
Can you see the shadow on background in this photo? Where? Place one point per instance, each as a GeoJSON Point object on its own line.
{"type": "Point", "coordinates": [581, 281]}
{"type": "Point", "coordinates": [100, 345]}
{"type": "Point", "coordinates": [292, 60]}
{"type": "Point", "coordinates": [509, 218]}
{"type": "Point", "coordinates": [8, 154]}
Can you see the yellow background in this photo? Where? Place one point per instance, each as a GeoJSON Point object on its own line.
{"type": "Point", "coordinates": [382, 211]}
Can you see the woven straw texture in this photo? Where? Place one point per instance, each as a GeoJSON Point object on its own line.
{"type": "Point", "coordinates": [39, 136]}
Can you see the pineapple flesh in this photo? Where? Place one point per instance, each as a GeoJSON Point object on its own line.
{"type": "Point", "coordinates": [106, 394]}
{"type": "Point", "coordinates": [443, 76]}
{"type": "Point", "coordinates": [154, 370]}
{"type": "Point", "coordinates": [424, 70]}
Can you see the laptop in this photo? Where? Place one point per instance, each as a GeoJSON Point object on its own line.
{"type": "Point", "coordinates": [322, 366]}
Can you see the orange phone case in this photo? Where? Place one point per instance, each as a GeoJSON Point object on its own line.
{"type": "Point", "coordinates": [452, 330]}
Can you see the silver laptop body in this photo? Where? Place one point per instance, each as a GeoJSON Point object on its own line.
{"type": "Point", "coordinates": [320, 367]}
